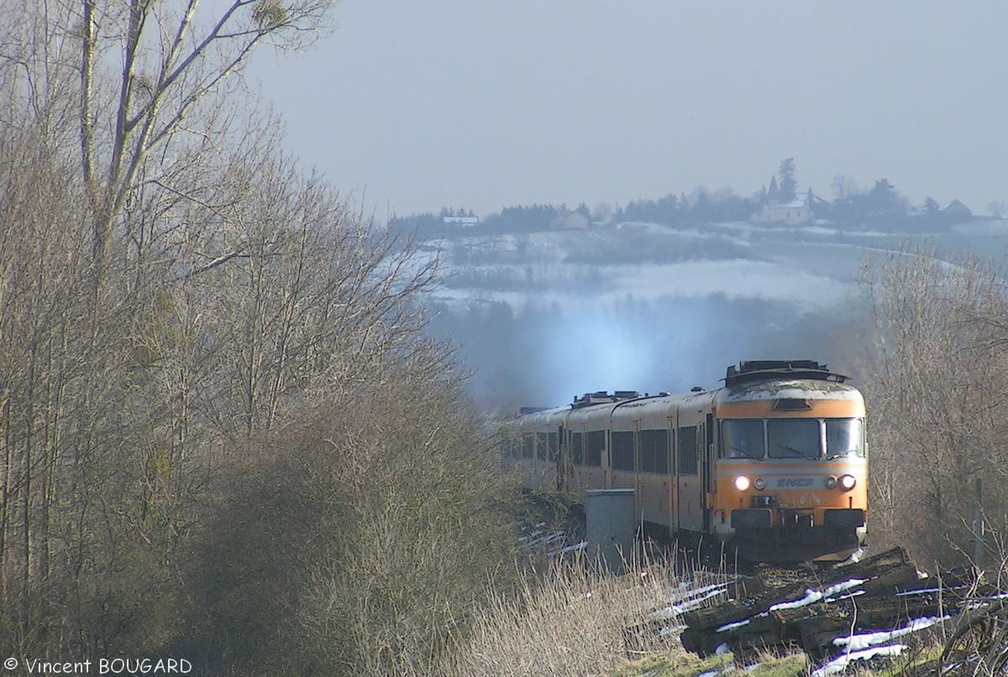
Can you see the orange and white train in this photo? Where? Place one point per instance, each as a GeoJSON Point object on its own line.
{"type": "Point", "coordinates": [773, 464]}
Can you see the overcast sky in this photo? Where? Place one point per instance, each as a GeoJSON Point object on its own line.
{"type": "Point", "coordinates": [466, 103]}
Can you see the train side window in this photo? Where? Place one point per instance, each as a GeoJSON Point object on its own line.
{"type": "Point", "coordinates": [688, 457]}
{"type": "Point", "coordinates": [647, 452]}
{"type": "Point", "coordinates": [662, 452]}
{"type": "Point", "coordinates": [623, 451]}
{"type": "Point", "coordinates": [541, 446]}
{"type": "Point", "coordinates": [505, 445]}
{"type": "Point", "coordinates": [655, 451]}
{"type": "Point", "coordinates": [594, 443]}
{"type": "Point", "coordinates": [528, 445]}
{"type": "Point", "coordinates": [552, 445]}
{"type": "Point", "coordinates": [577, 448]}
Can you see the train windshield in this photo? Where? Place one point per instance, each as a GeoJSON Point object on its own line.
{"type": "Point", "coordinates": [844, 437]}
{"type": "Point", "coordinates": [800, 438]}
{"type": "Point", "coordinates": [742, 438]}
{"type": "Point", "coordinates": [794, 438]}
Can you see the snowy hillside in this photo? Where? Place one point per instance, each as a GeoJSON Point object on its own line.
{"type": "Point", "coordinates": [540, 316]}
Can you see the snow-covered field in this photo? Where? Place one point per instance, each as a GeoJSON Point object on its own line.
{"type": "Point", "coordinates": [541, 315]}
{"type": "Point", "coordinates": [812, 267]}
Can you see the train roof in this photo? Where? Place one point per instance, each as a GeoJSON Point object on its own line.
{"type": "Point", "coordinates": [809, 389]}
{"type": "Point", "coordinates": [544, 417]}
{"type": "Point", "coordinates": [750, 380]}
{"type": "Point", "coordinates": [751, 371]}
{"type": "Point", "coordinates": [782, 379]}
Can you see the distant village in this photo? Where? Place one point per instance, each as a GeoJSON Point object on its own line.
{"type": "Point", "coordinates": [779, 203]}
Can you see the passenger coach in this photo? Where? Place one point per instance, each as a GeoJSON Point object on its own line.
{"type": "Point", "coordinates": [774, 463]}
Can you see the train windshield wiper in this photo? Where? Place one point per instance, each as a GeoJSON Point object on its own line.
{"type": "Point", "coordinates": [742, 453]}
{"type": "Point", "coordinates": [793, 453]}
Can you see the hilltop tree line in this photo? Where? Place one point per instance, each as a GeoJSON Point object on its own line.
{"type": "Point", "coordinates": [881, 207]}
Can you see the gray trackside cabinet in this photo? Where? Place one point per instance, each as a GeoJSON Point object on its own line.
{"type": "Point", "coordinates": [611, 524]}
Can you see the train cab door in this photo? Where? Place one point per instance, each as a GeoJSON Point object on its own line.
{"type": "Point", "coordinates": [579, 474]}
{"type": "Point", "coordinates": [638, 484]}
{"type": "Point", "coordinates": [566, 464]}
{"type": "Point", "coordinates": [673, 481]}
{"type": "Point", "coordinates": [559, 455]}
{"type": "Point", "coordinates": [690, 503]}
{"type": "Point", "coordinates": [607, 480]}
{"type": "Point", "coordinates": [707, 437]}
{"type": "Point", "coordinates": [695, 462]}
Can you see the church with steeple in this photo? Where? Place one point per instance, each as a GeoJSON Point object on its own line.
{"type": "Point", "coordinates": [777, 209]}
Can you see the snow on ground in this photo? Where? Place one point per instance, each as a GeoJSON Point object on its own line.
{"type": "Point", "coordinates": [808, 266]}
{"type": "Point", "coordinates": [992, 228]}
{"type": "Point", "coordinates": [694, 600]}
{"type": "Point", "coordinates": [733, 279]}
{"type": "Point", "coordinates": [731, 626]}
{"type": "Point", "coordinates": [840, 664]}
{"type": "Point", "coordinates": [812, 596]}
{"type": "Point", "coordinates": [737, 278]}
{"type": "Point", "coordinates": [861, 642]}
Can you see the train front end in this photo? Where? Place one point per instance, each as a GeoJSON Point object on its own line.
{"type": "Point", "coordinates": [791, 473]}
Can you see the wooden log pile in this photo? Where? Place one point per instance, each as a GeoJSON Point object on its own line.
{"type": "Point", "coordinates": [860, 607]}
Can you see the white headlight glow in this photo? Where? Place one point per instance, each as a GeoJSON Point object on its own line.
{"type": "Point", "coordinates": [741, 482]}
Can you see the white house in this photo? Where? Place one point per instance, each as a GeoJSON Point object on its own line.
{"type": "Point", "coordinates": [795, 212]}
{"type": "Point", "coordinates": [461, 220]}
{"type": "Point", "coordinates": [956, 210]}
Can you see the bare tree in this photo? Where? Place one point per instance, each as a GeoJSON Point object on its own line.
{"type": "Point", "coordinates": [131, 78]}
{"type": "Point", "coordinates": [936, 392]}
{"type": "Point", "coordinates": [844, 187]}
{"type": "Point", "coordinates": [207, 360]}
{"type": "Point", "coordinates": [998, 209]}
{"type": "Point", "coordinates": [115, 118]}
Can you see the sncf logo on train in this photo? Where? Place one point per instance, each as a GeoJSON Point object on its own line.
{"type": "Point", "coordinates": [795, 482]}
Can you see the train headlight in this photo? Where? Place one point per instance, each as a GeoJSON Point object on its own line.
{"type": "Point", "coordinates": [847, 482]}
{"type": "Point", "coordinates": [741, 482]}
{"type": "Point", "coordinates": [759, 483]}
{"type": "Point", "coordinates": [831, 482]}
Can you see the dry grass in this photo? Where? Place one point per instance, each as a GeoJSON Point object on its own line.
{"type": "Point", "coordinates": [571, 619]}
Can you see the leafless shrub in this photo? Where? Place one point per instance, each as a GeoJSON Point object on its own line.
{"type": "Point", "coordinates": [360, 539]}
{"type": "Point", "coordinates": [936, 393]}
